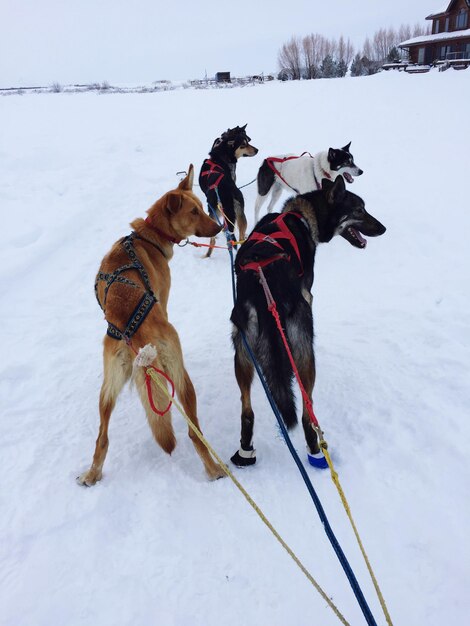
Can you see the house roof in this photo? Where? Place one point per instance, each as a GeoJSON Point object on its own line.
{"type": "Point", "coordinates": [445, 9]}
{"type": "Point", "coordinates": [456, 34]}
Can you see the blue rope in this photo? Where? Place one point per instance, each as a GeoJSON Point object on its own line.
{"type": "Point", "coordinates": [321, 512]}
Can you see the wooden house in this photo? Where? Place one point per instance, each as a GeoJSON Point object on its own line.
{"type": "Point", "coordinates": [449, 40]}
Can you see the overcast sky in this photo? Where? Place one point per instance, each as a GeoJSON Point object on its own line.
{"type": "Point", "coordinates": [45, 41]}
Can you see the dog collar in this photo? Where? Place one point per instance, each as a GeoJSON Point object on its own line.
{"type": "Point", "coordinates": [162, 234]}
{"type": "Point", "coordinates": [324, 174]}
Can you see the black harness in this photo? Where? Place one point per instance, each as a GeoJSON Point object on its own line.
{"type": "Point", "coordinates": [146, 302]}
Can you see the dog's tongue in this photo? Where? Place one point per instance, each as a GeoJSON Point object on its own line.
{"type": "Point", "coordinates": [359, 237]}
{"type": "Point", "coordinates": [348, 177]}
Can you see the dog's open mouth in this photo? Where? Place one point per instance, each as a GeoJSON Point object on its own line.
{"type": "Point", "coordinates": [348, 177]}
{"type": "Point", "coordinates": [354, 237]}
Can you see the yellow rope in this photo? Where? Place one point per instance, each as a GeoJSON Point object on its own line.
{"type": "Point", "coordinates": [221, 209]}
{"type": "Point", "coordinates": [335, 479]}
{"type": "Point", "coordinates": [240, 487]}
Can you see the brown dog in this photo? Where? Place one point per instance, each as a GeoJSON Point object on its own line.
{"type": "Point", "coordinates": [132, 287]}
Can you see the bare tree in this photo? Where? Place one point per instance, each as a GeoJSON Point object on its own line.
{"type": "Point", "coordinates": [316, 48]}
{"type": "Point", "coordinates": [348, 52]}
{"type": "Point", "coordinates": [344, 55]}
{"type": "Point", "coordinates": [404, 33]}
{"type": "Point", "coordinates": [341, 48]}
{"type": "Point", "coordinates": [303, 57]}
{"type": "Point", "coordinates": [367, 49]}
{"type": "Point", "coordinates": [420, 29]}
{"type": "Point", "coordinates": [379, 45]}
{"type": "Point", "coordinates": [290, 58]}
{"type": "Point", "coordinates": [310, 55]}
{"type": "Point", "coordinates": [333, 48]}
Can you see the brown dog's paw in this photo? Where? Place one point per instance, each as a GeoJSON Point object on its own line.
{"type": "Point", "coordinates": [89, 478]}
{"type": "Point", "coordinates": [216, 472]}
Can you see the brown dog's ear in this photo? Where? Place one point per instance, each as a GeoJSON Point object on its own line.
{"type": "Point", "coordinates": [187, 183]}
{"type": "Point", "coordinates": [174, 201]}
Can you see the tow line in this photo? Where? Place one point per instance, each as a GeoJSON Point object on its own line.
{"type": "Point", "coordinates": [334, 475]}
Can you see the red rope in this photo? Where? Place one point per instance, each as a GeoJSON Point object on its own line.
{"type": "Point", "coordinates": [206, 245]}
{"type": "Point", "coordinates": [148, 383]}
{"type": "Point", "coordinates": [271, 160]}
{"type": "Point", "coordinates": [272, 307]}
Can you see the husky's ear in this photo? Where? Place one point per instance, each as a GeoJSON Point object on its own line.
{"type": "Point", "coordinates": [187, 183]}
{"type": "Point", "coordinates": [346, 148]}
{"type": "Point", "coordinates": [243, 127]}
{"type": "Point", "coordinates": [336, 191]}
{"type": "Point", "coordinates": [174, 200]}
{"type": "Point", "coordinates": [331, 154]}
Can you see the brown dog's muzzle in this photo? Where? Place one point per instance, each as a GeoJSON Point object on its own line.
{"type": "Point", "coordinates": [207, 227]}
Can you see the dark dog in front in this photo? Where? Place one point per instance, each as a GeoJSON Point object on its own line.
{"type": "Point", "coordinates": [218, 179]}
{"type": "Point", "coordinates": [284, 244]}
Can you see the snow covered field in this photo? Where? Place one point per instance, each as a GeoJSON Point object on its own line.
{"type": "Point", "coordinates": [155, 543]}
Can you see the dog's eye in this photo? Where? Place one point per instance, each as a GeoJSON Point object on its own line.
{"type": "Point", "coordinates": [195, 211]}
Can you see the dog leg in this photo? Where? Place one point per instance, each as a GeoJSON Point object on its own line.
{"type": "Point", "coordinates": [300, 334]}
{"type": "Point", "coordinates": [187, 395]}
{"type": "Point", "coordinates": [265, 180]}
{"type": "Point", "coordinates": [217, 218]}
{"type": "Point", "coordinates": [240, 219]}
{"type": "Point", "coordinates": [276, 193]}
{"type": "Point", "coordinates": [306, 367]}
{"type": "Point", "coordinates": [258, 204]}
{"type": "Point", "coordinates": [210, 250]}
{"type": "Point", "coordinates": [244, 372]}
{"type": "Point", "coordinates": [160, 425]}
{"type": "Point", "coordinates": [117, 371]}
{"type": "Point", "coordinates": [170, 360]}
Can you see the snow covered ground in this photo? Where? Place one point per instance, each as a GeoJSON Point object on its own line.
{"type": "Point", "coordinates": [155, 542]}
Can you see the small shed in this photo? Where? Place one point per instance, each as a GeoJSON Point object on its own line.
{"type": "Point", "coordinates": [223, 77]}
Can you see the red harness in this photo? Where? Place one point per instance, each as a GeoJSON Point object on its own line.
{"type": "Point", "coordinates": [214, 168]}
{"type": "Point", "coordinates": [282, 233]}
{"type": "Point", "coordinates": [271, 160]}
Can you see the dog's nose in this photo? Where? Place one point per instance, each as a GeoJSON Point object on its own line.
{"type": "Point", "coordinates": [359, 172]}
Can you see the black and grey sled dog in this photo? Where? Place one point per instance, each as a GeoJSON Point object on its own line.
{"type": "Point", "coordinates": [218, 178]}
{"type": "Point", "coordinates": [284, 245]}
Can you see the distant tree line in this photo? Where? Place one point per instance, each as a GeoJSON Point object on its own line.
{"type": "Point", "coordinates": [316, 56]}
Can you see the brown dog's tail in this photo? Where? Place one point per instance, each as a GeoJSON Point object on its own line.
{"type": "Point", "coordinates": [150, 393]}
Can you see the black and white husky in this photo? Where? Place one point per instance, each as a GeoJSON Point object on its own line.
{"type": "Point", "coordinates": [302, 174]}
{"type": "Point", "coordinates": [284, 245]}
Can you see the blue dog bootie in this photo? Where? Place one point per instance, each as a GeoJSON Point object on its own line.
{"type": "Point", "coordinates": [317, 460]}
